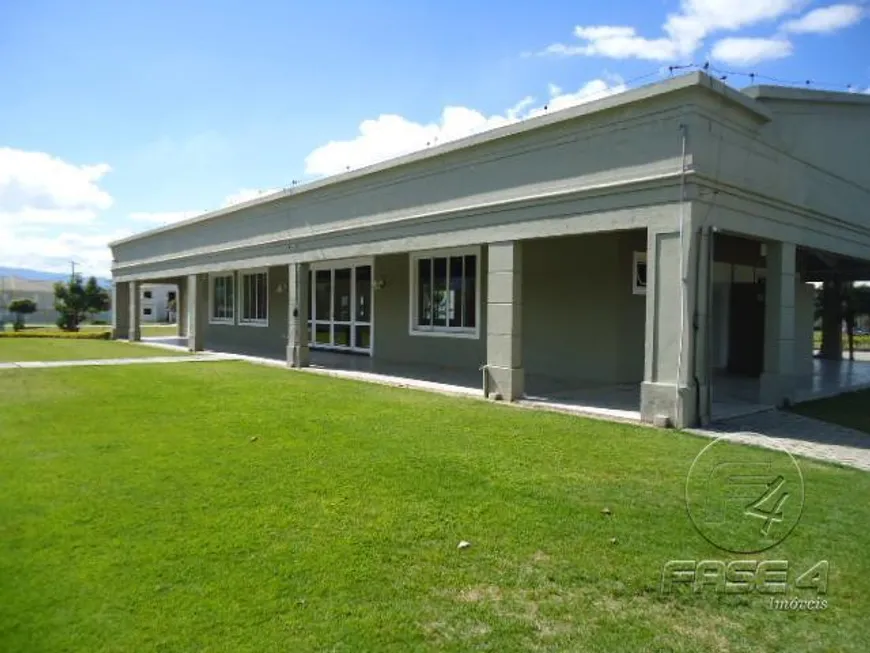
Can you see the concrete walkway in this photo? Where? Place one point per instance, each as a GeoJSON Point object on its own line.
{"type": "Point", "coordinates": [100, 362]}
{"type": "Point", "coordinates": [799, 435]}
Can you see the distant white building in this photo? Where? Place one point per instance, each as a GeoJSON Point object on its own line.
{"type": "Point", "coordinates": [42, 294]}
{"type": "Point", "coordinates": [158, 302]}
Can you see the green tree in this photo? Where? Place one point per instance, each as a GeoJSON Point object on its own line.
{"type": "Point", "coordinates": [75, 301]}
{"type": "Point", "coordinates": [21, 307]}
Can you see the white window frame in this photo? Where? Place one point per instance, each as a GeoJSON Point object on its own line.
{"type": "Point", "coordinates": [415, 329]}
{"type": "Point", "coordinates": [220, 320]}
{"type": "Point", "coordinates": [242, 321]}
{"type": "Point", "coordinates": [637, 259]}
{"type": "Point", "coordinates": [333, 265]}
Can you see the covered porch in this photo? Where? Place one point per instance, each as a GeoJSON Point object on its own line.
{"type": "Point", "coordinates": [568, 322]}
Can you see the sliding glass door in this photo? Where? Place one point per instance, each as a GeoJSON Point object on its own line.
{"type": "Point", "coordinates": [341, 306]}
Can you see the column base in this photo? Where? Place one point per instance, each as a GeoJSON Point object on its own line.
{"type": "Point", "coordinates": [507, 383]}
{"type": "Point", "coordinates": [134, 334]}
{"type": "Point", "coordinates": [776, 389]}
{"type": "Point", "coordinates": [663, 403]}
{"type": "Point", "coordinates": [298, 356]}
{"type": "Point", "coordinates": [120, 333]}
{"type": "Point", "coordinates": [194, 345]}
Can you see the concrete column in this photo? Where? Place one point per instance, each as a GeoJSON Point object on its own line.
{"type": "Point", "coordinates": [135, 304]}
{"type": "Point", "coordinates": [181, 309]}
{"type": "Point", "coordinates": [197, 311]}
{"type": "Point", "coordinates": [298, 307]}
{"type": "Point", "coordinates": [120, 310]}
{"type": "Point", "coordinates": [505, 376]}
{"type": "Point", "coordinates": [676, 386]}
{"type": "Point", "coordinates": [778, 379]}
{"type": "Point", "coordinates": [297, 310]}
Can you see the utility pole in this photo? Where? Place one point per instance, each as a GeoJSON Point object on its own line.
{"type": "Point", "coordinates": [72, 277]}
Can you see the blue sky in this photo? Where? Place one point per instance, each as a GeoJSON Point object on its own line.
{"type": "Point", "coordinates": [117, 117]}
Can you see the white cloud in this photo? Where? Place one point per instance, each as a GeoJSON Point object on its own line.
{"type": "Point", "coordinates": [616, 43]}
{"type": "Point", "coordinates": [49, 251]}
{"type": "Point", "coordinates": [825, 19]}
{"type": "Point", "coordinates": [37, 188]}
{"type": "Point", "coordinates": [161, 218]}
{"type": "Point", "coordinates": [390, 135]}
{"type": "Point", "coordinates": [747, 51]}
{"type": "Point", "coordinates": [40, 195]}
{"type": "Point", "coordinates": [683, 31]}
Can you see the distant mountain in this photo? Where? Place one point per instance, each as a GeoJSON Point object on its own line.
{"type": "Point", "coordinates": [39, 275]}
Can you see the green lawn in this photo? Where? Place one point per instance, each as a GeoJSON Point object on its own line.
{"type": "Point", "coordinates": [862, 342]}
{"type": "Point", "coordinates": [152, 330]}
{"type": "Point", "coordinates": [851, 410]}
{"type": "Point", "coordinates": [231, 507]}
{"type": "Point", "coordinates": [16, 350]}
{"type": "Point", "coordinates": [148, 330]}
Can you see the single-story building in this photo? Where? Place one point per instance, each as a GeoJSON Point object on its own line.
{"type": "Point", "coordinates": [657, 244]}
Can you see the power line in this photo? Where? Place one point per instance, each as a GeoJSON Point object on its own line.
{"type": "Point", "coordinates": [753, 76]}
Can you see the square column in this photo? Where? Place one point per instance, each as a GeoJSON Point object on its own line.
{"type": "Point", "coordinates": [778, 379]}
{"type": "Point", "coordinates": [197, 311]}
{"type": "Point", "coordinates": [120, 310]}
{"type": "Point", "coordinates": [505, 376]}
{"type": "Point", "coordinates": [135, 305]}
{"type": "Point", "coordinates": [676, 386]}
{"type": "Point", "coordinates": [181, 309]}
{"type": "Point", "coordinates": [297, 311]}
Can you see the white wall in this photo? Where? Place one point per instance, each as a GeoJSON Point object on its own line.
{"type": "Point", "coordinates": [156, 307]}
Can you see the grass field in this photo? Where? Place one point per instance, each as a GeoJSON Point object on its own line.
{"type": "Point", "coordinates": [231, 507]}
{"type": "Point", "coordinates": [851, 410]}
{"type": "Point", "coordinates": [148, 330]}
{"type": "Point", "coordinates": [15, 350]}
{"type": "Point", "coordinates": [862, 342]}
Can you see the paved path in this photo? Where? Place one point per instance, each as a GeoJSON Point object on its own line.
{"type": "Point", "coordinates": [801, 436]}
{"type": "Point", "coordinates": [198, 358]}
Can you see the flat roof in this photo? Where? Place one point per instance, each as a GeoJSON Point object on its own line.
{"type": "Point", "coordinates": [790, 93]}
{"type": "Point", "coordinates": [641, 93]}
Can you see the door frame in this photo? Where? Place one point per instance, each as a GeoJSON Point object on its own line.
{"type": "Point", "coordinates": [333, 265]}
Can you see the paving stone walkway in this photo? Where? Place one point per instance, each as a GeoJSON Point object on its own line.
{"type": "Point", "coordinates": [799, 435]}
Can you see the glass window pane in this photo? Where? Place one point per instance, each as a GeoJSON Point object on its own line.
{"type": "Point", "coordinates": [341, 307]}
{"type": "Point", "coordinates": [228, 302]}
{"type": "Point", "coordinates": [439, 291]}
{"type": "Point", "coordinates": [262, 297]}
{"type": "Point", "coordinates": [322, 295]}
{"type": "Point", "coordinates": [364, 293]}
{"type": "Point", "coordinates": [341, 335]}
{"type": "Point", "coordinates": [322, 335]}
{"type": "Point", "coordinates": [363, 337]}
{"type": "Point", "coordinates": [424, 291]}
{"type": "Point", "coordinates": [454, 299]}
{"type": "Point", "coordinates": [470, 298]}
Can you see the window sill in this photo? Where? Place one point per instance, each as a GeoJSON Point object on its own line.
{"type": "Point", "coordinates": [446, 333]}
{"type": "Point", "coordinates": [254, 323]}
{"type": "Point", "coordinates": [228, 322]}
